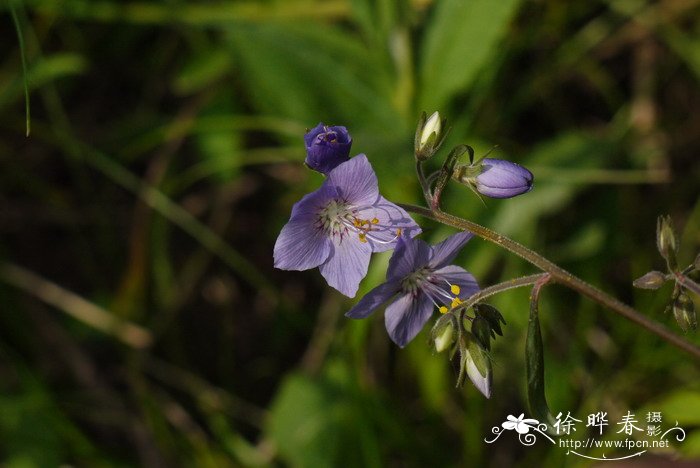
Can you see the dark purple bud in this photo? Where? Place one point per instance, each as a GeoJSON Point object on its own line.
{"type": "Point", "coordinates": [502, 179]}
{"type": "Point", "coordinates": [327, 147]}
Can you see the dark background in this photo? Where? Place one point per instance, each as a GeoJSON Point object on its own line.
{"type": "Point", "coordinates": [141, 320]}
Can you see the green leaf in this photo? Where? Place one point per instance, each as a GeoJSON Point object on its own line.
{"type": "Point", "coordinates": [534, 356]}
{"type": "Point", "coordinates": [461, 39]}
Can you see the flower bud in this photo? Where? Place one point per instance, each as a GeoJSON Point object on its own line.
{"type": "Point", "coordinates": [684, 312]}
{"type": "Point", "coordinates": [666, 240]}
{"type": "Point", "coordinates": [327, 147]}
{"type": "Point", "coordinates": [429, 136]}
{"type": "Point", "coordinates": [496, 178]}
{"type": "Point", "coordinates": [482, 332]}
{"type": "Point", "coordinates": [476, 364]}
{"type": "Point", "coordinates": [444, 338]}
{"type": "Point", "coordinates": [652, 280]}
{"type": "Point", "coordinates": [432, 126]}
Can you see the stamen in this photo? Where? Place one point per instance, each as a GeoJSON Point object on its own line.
{"type": "Point", "coordinates": [455, 289]}
{"type": "Point", "coordinates": [442, 309]}
{"type": "Point", "coordinates": [375, 221]}
{"type": "Point", "coordinates": [455, 302]}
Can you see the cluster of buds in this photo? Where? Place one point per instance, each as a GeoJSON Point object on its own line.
{"type": "Point", "coordinates": [471, 338]}
{"type": "Point", "coordinates": [681, 304]}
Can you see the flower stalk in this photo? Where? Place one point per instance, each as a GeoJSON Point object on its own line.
{"type": "Point", "coordinates": [558, 275]}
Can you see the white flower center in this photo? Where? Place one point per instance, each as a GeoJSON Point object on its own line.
{"type": "Point", "coordinates": [338, 218]}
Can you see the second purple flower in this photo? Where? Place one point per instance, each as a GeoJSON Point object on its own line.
{"type": "Point", "coordinates": [419, 280]}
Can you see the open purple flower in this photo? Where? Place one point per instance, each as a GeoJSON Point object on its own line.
{"type": "Point", "coordinates": [502, 179]}
{"type": "Point", "coordinates": [337, 227]}
{"type": "Point", "coordinates": [419, 279]}
{"type": "Point", "coordinates": [327, 147]}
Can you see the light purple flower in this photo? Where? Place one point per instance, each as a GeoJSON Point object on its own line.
{"type": "Point", "coordinates": [419, 279]}
{"type": "Point", "coordinates": [327, 147]}
{"type": "Point", "coordinates": [337, 227]}
{"type": "Point", "coordinates": [502, 179]}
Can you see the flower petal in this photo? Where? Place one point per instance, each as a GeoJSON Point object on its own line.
{"type": "Point", "coordinates": [409, 256]}
{"type": "Point", "coordinates": [391, 220]}
{"type": "Point", "coordinates": [373, 299]}
{"type": "Point", "coordinates": [311, 203]}
{"type": "Point", "coordinates": [356, 181]}
{"type": "Point", "coordinates": [461, 277]}
{"type": "Point", "coordinates": [522, 428]}
{"type": "Point", "coordinates": [347, 265]}
{"type": "Point", "coordinates": [447, 250]}
{"type": "Point", "coordinates": [405, 317]}
{"type": "Point", "coordinates": [300, 245]}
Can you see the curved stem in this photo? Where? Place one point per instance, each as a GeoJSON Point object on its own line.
{"type": "Point", "coordinates": [559, 275]}
{"type": "Point", "coordinates": [501, 287]}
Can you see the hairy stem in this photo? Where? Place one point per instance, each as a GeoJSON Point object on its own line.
{"type": "Point", "coordinates": [688, 283]}
{"type": "Point", "coordinates": [558, 275]}
{"type": "Point", "coordinates": [501, 287]}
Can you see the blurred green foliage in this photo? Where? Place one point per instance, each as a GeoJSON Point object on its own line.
{"type": "Point", "coordinates": [141, 320]}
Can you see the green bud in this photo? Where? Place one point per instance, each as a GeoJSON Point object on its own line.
{"type": "Point", "coordinates": [444, 338]}
{"type": "Point", "coordinates": [684, 312]}
{"type": "Point", "coordinates": [476, 364]}
{"type": "Point", "coordinates": [430, 134]}
{"type": "Point", "coordinates": [652, 280]}
{"type": "Point", "coordinates": [492, 315]}
{"type": "Point", "coordinates": [482, 332]}
{"type": "Point", "coordinates": [666, 240]}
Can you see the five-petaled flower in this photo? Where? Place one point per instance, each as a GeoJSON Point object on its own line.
{"type": "Point", "coordinates": [419, 279]}
{"type": "Point", "coordinates": [520, 424]}
{"type": "Point", "coordinates": [337, 227]}
{"type": "Point", "coordinates": [327, 147]}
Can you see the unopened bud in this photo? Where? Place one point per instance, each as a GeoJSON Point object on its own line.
{"type": "Point", "coordinates": [477, 365]}
{"type": "Point", "coordinates": [482, 331]}
{"type": "Point", "coordinates": [666, 240]}
{"type": "Point", "coordinates": [652, 280]}
{"type": "Point", "coordinates": [429, 136]}
{"type": "Point", "coordinates": [444, 338]}
{"type": "Point", "coordinates": [684, 312]}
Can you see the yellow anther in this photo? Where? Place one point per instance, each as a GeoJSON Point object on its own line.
{"type": "Point", "coordinates": [443, 309]}
{"type": "Point", "coordinates": [455, 289]}
{"type": "Point", "coordinates": [398, 232]}
{"type": "Point", "coordinates": [356, 222]}
{"type": "Point", "coordinates": [375, 221]}
{"type": "Point", "coordinates": [455, 302]}
{"type": "Point", "coordinates": [363, 237]}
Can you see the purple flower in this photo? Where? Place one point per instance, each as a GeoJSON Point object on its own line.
{"type": "Point", "coordinates": [337, 227]}
{"type": "Point", "coordinates": [419, 279]}
{"type": "Point", "coordinates": [502, 179]}
{"type": "Point", "coordinates": [327, 147]}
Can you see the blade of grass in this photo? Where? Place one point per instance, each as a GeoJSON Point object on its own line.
{"type": "Point", "coordinates": [22, 54]}
{"type": "Point", "coordinates": [75, 306]}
